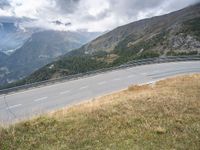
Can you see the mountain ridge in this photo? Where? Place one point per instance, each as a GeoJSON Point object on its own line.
{"type": "Point", "coordinates": [176, 33]}
{"type": "Point", "coordinates": [40, 49]}
{"type": "Point", "coordinates": [12, 36]}
{"type": "Point", "coordinates": [102, 42]}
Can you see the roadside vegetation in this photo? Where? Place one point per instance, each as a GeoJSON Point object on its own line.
{"type": "Point", "coordinates": [165, 115]}
{"type": "Point", "coordinates": [192, 27]}
{"type": "Point", "coordinates": [126, 50]}
{"type": "Point", "coordinates": [173, 53]}
{"type": "Point", "coordinates": [73, 65]}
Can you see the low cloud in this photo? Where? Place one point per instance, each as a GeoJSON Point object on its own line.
{"type": "Point", "coordinates": [92, 15]}
{"type": "Point", "coordinates": [4, 4]}
{"type": "Point", "coordinates": [67, 6]}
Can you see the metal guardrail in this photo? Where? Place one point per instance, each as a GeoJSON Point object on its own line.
{"type": "Point", "coordinates": [81, 75]}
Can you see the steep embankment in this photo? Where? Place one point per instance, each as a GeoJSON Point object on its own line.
{"type": "Point", "coordinates": [161, 116]}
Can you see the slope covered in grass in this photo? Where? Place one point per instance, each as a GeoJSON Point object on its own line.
{"type": "Point", "coordinates": [161, 116]}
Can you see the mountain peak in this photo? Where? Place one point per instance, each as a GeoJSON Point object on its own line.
{"type": "Point", "coordinates": [142, 29]}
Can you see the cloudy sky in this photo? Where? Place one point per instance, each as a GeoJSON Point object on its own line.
{"type": "Point", "coordinates": [91, 15]}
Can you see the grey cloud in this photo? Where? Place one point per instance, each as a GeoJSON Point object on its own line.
{"type": "Point", "coordinates": [135, 5]}
{"type": "Point", "coordinates": [97, 17]}
{"type": "Point", "coordinates": [4, 4]}
{"type": "Point", "coordinates": [67, 6]}
{"type": "Point", "coordinates": [59, 13]}
{"type": "Point", "coordinates": [120, 11]}
{"type": "Point", "coordinates": [9, 19]}
{"type": "Point", "coordinates": [16, 20]}
{"type": "Point", "coordinates": [124, 9]}
{"type": "Point", "coordinates": [175, 5]}
{"type": "Point", "coordinates": [57, 22]}
{"type": "Point", "coordinates": [132, 8]}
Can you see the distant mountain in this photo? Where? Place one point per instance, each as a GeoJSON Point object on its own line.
{"type": "Point", "coordinates": [3, 70]}
{"type": "Point", "coordinates": [40, 49]}
{"type": "Point", "coordinates": [12, 36]}
{"type": "Point", "coordinates": [3, 57]}
{"type": "Point", "coordinates": [177, 33]}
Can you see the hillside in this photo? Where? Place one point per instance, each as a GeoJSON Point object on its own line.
{"type": "Point", "coordinates": [40, 49]}
{"type": "Point", "coordinates": [177, 33]}
{"type": "Point", "coordinates": [166, 33]}
{"type": "Point", "coordinates": [161, 116]}
{"type": "Point", "coordinates": [12, 36]}
{"type": "Point", "coordinates": [3, 57]}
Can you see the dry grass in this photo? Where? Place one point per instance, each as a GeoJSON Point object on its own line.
{"type": "Point", "coordinates": [163, 116]}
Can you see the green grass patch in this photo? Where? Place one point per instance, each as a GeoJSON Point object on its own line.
{"type": "Point", "coordinates": [192, 27]}
{"type": "Point", "coordinates": [163, 116]}
{"type": "Point", "coordinates": [174, 53]}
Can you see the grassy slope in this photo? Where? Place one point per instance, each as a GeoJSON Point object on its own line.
{"type": "Point", "coordinates": [163, 116]}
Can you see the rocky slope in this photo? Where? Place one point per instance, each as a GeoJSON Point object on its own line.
{"type": "Point", "coordinates": [167, 31]}
{"type": "Point", "coordinates": [177, 33]}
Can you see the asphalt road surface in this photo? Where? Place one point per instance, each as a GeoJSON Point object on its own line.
{"type": "Point", "coordinates": [25, 104]}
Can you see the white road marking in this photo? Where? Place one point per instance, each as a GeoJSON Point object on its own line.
{"type": "Point", "coordinates": [40, 99]}
{"type": "Point", "coordinates": [84, 87]}
{"type": "Point", "coordinates": [14, 106]}
{"type": "Point", "coordinates": [101, 83]}
{"type": "Point", "coordinates": [64, 92]}
{"type": "Point", "coordinates": [20, 92]}
{"type": "Point", "coordinates": [116, 79]}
